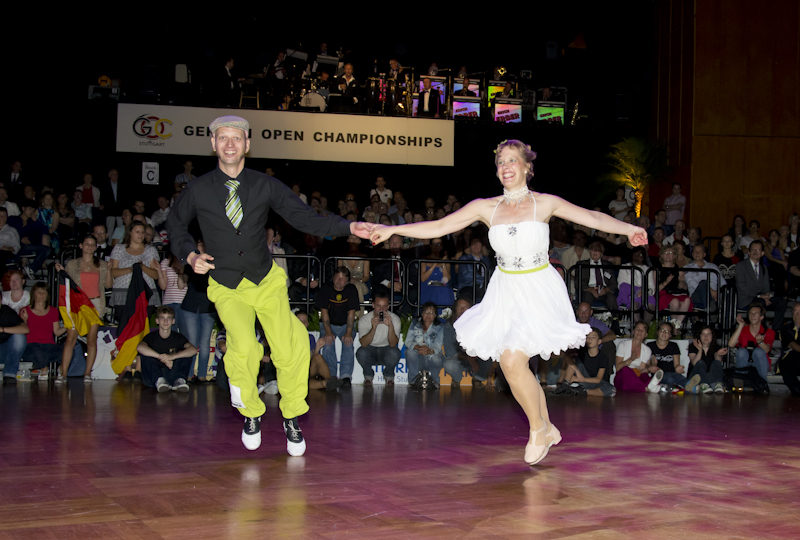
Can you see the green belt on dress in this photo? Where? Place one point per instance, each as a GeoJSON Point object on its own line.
{"type": "Point", "coordinates": [529, 271]}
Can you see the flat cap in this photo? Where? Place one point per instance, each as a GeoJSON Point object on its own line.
{"type": "Point", "coordinates": [230, 121]}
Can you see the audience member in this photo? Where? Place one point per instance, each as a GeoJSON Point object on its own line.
{"type": "Point", "coordinates": [186, 176]}
{"type": "Point", "coordinates": [633, 364]}
{"type": "Point", "coordinates": [424, 344]}
{"type": "Point", "coordinates": [13, 341]}
{"type": "Point", "coordinates": [677, 236]}
{"type": "Point", "coordinates": [456, 359]}
{"type": "Point", "coordinates": [319, 376]}
{"type": "Point", "coordinates": [31, 233]}
{"type": "Point", "coordinates": [607, 336]}
{"type": "Point", "coordinates": [790, 361]}
{"type": "Point", "coordinates": [83, 214]}
{"type": "Point", "coordinates": [751, 236]}
{"type": "Point", "coordinates": [384, 193]}
{"type": "Point", "coordinates": [660, 220]}
{"type": "Point", "coordinates": [66, 217]}
{"type": "Point", "coordinates": [90, 193]}
{"type": "Point", "coordinates": [706, 361]}
{"type": "Point", "coordinates": [777, 262]}
{"type": "Point", "coordinates": [726, 260]}
{"type": "Point", "coordinates": [165, 355]}
{"type": "Point", "coordinates": [673, 293]}
{"type": "Point", "coordinates": [11, 207]}
{"type": "Point", "coordinates": [667, 357]}
{"type": "Point", "coordinates": [174, 288]}
{"type": "Point", "coordinates": [752, 284]}
{"type": "Point", "coordinates": [697, 282]}
{"type": "Point", "coordinates": [473, 278]}
{"type": "Point", "coordinates": [49, 218]}
{"type": "Point", "coordinates": [589, 370]}
{"type": "Point", "coordinates": [133, 250]}
{"type": "Point", "coordinates": [380, 332]}
{"type": "Point", "coordinates": [359, 268]}
{"type": "Point", "coordinates": [338, 302]}
{"type": "Point", "coordinates": [597, 284]}
{"type": "Point", "coordinates": [577, 252]}
{"type": "Point", "coordinates": [119, 233]}
{"type": "Point", "coordinates": [160, 216]}
{"type": "Point", "coordinates": [198, 315]}
{"type": "Point", "coordinates": [628, 279]}
{"type": "Point", "coordinates": [619, 207]}
{"type": "Point", "coordinates": [103, 248]}
{"type": "Point", "coordinates": [675, 205]}
{"type": "Point", "coordinates": [16, 179]}
{"type": "Point", "coordinates": [9, 239]}
{"type": "Point", "coordinates": [43, 324]}
{"type": "Point", "coordinates": [754, 341]}
{"type": "Point", "coordinates": [435, 284]}
{"type": "Point", "coordinates": [16, 297]}
{"type": "Point", "coordinates": [112, 200]}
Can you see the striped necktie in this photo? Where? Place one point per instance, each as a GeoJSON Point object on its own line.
{"type": "Point", "coordinates": [233, 205]}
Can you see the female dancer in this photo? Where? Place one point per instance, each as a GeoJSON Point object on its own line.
{"type": "Point", "coordinates": [526, 309]}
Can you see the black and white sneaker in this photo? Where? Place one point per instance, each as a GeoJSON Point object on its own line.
{"type": "Point", "coordinates": [251, 434]}
{"type": "Point", "coordinates": [162, 385]}
{"type": "Point", "coordinates": [180, 385]}
{"type": "Point", "coordinates": [295, 444]}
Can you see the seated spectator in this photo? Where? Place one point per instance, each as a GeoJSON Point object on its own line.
{"type": "Point", "coordinates": [119, 233]}
{"type": "Point", "coordinates": [319, 376]}
{"type": "Point", "coordinates": [456, 359]}
{"type": "Point", "coordinates": [424, 344]}
{"type": "Point", "coordinates": [597, 284]}
{"type": "Point", "coordinates": [133, 250]}
{"type": "Point", "coordinates": [697, 282]}
{"type": "Point", "coordinates": [174, 287]}
{"type": "Point", "coordinates": [752, 284]}
{"type": "Point", "coordinates": [577, 252]}
{"type": "Point", "coordinates": [31, 233]}
{"type": "Point", "coordinates": [680, 257]}
{"type": "Point", "coordinates": [103, 248]}
{"type": "Point", "coordinates": [633, 364]}
{"type": "Point", "coordinates": [90, 194]}
{"type": "Point", "coordinates": [474, 275]}
{"type": "Point", "coordinates": [11, 207]}
{"type": "Point", "coordinates": [139, 208]}
{"type": "Point", "coordinates": [49, 218]}
{"type": "Point", "coordinates": [751, 236]}
{"type": "Point", "coordinates": [726, 260]}
{"type": "Point", "coordinates": [305, 275]}
{"type": "Point", "coordinates": [794, 234]}
{"type": "Point", "coordinates": [677, 236]}
{"type": "Point", "coordinates": [790, 361]}
{"type": "Point", "coordinates": [16, 297]}
{"type": "Point", "coordinates": [66, 218]}
{"type": "Point", "coordinates": [694, 236]}
{"type": "Point", "coordinates": [777, 262]}
{"type": "Point", "coordinates": [629, 278]}
{"type": "Point", "coordinates": [660, 220]}
{"type": "Point", "coordinates": [380, 332]}
{"type": "Point", "coordinates": [159, 217]}
{"type": "Point", "coordinates": [754, 341]}
{"type": "Point", "coordinates": [165, 355]}
{"type": "Point", "coordinates": [585, 315]}
{"type": "Point", "coordinates": [654, 248]}
{"type": "Point", "coordinates": [706, 361]}
{"type": "Point", "coordinates": [590, 369]}
{"type": "Point", "coordinates": [93, 276]}
{"type": "Point", "coordinates": [198, 316]}
{"type": "Point", "coordinates": [435, 284]}
{"type": "Point", "coordinates": [359, 269]}
{"type": "Point", "coordinates": [737, 231]}
{"type": "Point", "coordinates": [673, 293]}
{"type": "Point", "coordinates": [9, 240]}
{"type": "Point", "coordinates": [13, 341]}
{"type": "Point", "coordinates": [667, 357]}
{"type": "Point", "coordinates": [338, 302]}
{"type": "Point", "coordinates": [83, 214]}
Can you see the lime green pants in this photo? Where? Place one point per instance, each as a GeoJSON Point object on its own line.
{"type": "Point", "coordinates": [286, 335]}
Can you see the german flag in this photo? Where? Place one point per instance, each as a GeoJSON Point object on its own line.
{"type": "Point", "coordinates": [76, 309]}
{"type": "Point", "coordinates": [133, 323]}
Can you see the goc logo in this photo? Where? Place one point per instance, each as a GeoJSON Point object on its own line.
{"type": "Point", "coordinates": [151, 127]}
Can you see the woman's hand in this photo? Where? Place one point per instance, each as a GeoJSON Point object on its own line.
{"type": "Point", "coordinates": [59, 268]}
{"type": "Point", "coordinates": [380, 233]}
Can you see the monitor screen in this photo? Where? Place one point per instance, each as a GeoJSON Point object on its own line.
{"type": "Point", "coordinates": [508, 113]}
{"type": "Point", "coordinates": [474, 86]}
{"type": "Point", "coordinates": [545, 113]}
{"type": "Point", "coordinates": [467, 108]}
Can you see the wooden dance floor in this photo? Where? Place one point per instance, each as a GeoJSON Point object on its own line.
{"type": "Point", "coordinates": [114, 460]}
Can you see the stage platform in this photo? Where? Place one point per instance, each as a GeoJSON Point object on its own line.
{"type": "Point", "coordinates": [110, 460]}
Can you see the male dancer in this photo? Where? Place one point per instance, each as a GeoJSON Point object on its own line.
{"type": "Point", "coordinates": [231, 205]}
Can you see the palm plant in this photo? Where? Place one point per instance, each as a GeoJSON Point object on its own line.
{"type": "Point", "coordinates": [638, 164]}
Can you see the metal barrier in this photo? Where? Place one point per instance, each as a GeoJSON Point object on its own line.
{"type": "Point", "coordinates": [708, 311]}
{"type": "Point", "coordinates": [578, 269]}
{"type": "Point", "coordinates": [706, 240]}
{"type": "Point", "coordinates": [473, 262]}
{"type": "Point", "coordinates": [309, 277]}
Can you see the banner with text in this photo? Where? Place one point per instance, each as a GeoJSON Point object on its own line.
{"type": "Point", "coordinates": [163, 129]}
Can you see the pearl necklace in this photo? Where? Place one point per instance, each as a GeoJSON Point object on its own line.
{"type": "Point", "coordinates": [517, 196]}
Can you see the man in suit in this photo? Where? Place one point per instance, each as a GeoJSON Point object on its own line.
{"type": "Point", "coordinates": [428, 105]}
{"type": "Point", "coordinates": [752, 285]}
{"type": "Point", "coordinates": [112, 200]}
{"type": "Point", "coordinates": [597, 284]}
{"type": "Point", "coordinates": [348, 87]}
{"type": "Point", "coordinates": [15, 182]}
{"type": "Point", "coordinates": [231, 205]}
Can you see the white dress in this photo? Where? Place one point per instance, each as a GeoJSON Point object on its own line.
{"type": "Point", "coordinates": [521, 311]}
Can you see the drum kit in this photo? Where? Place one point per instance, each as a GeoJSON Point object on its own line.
{"type": "Point", "coordinates": [383, 95]}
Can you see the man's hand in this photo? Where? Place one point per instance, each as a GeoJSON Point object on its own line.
{"type": "Point", "coordinates": [361, 229]}
{"type": "Point", "coordinates": [637, 236]}
{"type": "Point", "coordinates": [347, 341]}
{"type": "Point", "coordinates": [714, 295]}
{"type": "Point", "coordinates": [24, 240]}
{"type": "Point", "coordinates": [680, 369]}
{"type": "Point", "coordinates": [739, 320]}
{"type": "Point", "coordinates": [200, 262]}
{"type": "Point", "coordinates": [375, 321]}
{"type": "Point", "coordinates": [595, 292]}
{"type": "Point", "coordinates": [767, 299]}
{"type": "Point", "coordinates": [328, 339]}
